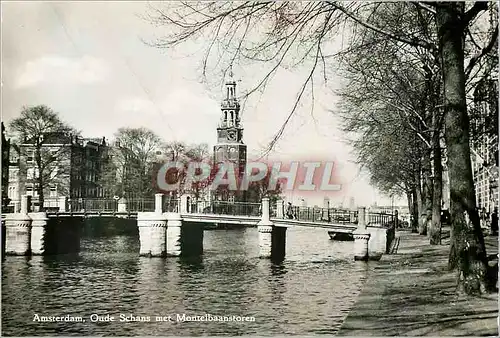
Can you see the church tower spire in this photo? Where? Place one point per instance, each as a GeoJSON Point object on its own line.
{"type": "Point", "coordinates": [230, 146]}
{"type": "Point", "coordinates": [230, 105]}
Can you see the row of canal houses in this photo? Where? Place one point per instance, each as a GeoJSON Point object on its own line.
{"type": "Point", "coordinates": [78, 169]}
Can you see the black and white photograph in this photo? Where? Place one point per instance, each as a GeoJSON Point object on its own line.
{"type": "Point", "coordinates": [249, 168]}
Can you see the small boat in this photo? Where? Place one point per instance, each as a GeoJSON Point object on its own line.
{"type": "Point", "coordinates": [340, 236]}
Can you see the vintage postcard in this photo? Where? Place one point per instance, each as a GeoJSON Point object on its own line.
{"type": "Point", "coordinates": [262, 168]}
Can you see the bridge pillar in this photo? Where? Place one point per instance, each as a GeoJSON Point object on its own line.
{"type": "Point", "coordinates": [174, 227]}
{"type": "Point", "coordinates": [63, 203]}
{"type": "Point", "coordinates": [361, 237]}
{"type": "Point", "coordinates": [352, 217]}
{"type": "Point", "coordinates": [265, 240]}
{"type": "Point", "coordinates": [191, 239]}
{"type": "Point", "coordinates": [25, 204]}
{"type": "Point", "coordinates": [18, 231]}
{"type": "Point", "coordinates": [122, 205]}
{"type": "Point", "coordinates": [265, 228]}
{"type": "Point", "coordinates": [152, 234]}
{"type": "Point", "coordinates": [272, 239]}
{"type": "Point", "coordinates": [184, 200]}
{"type": "Point", "coordinates": [280, 208]}
{"type": "Point", "coordinates": [159, 235]}
{"type": "Point", "coordinates": [38, 232]}
{"type": "Point", "coordinates": [326, 209]}
{"type": "Point", "coordinates": [377, 244]}
{"type": "Point", "coordinates": [159, 203]}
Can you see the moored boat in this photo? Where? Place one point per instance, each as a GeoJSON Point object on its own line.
{"type": "Point", "coordinates": [340, 236]}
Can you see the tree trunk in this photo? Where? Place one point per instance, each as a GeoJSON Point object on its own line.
{"type": "Point", "coordinates": [435, 228]}
{"type": "Point", "coordinates": [420, 203]}
{"type": "Point", "coordinates": [39, 176]}
{"type": "Point", "coordinates": [409, 199]}
{"type": "Point", "coordinates": [426, 192]}
{"type": "Point", "coordinates": [414, 220]}
{"type": "Point", "coordinates": [467, 252]}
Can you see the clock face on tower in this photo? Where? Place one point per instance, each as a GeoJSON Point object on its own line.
{"type": "Point", "coordinates": [231, 135]}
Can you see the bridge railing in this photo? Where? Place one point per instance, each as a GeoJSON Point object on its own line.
{"type": "Point", "coordinates": [50, 204]}
{"type": "Point", "coordinates": [384, 219]}
{"type": "Point", "coordinates": [316, 214]}
{"type": "Point", "coordinates": [92, 204]}
{"type": "Point", "coordinates": [225, 208]}
{"type": "Point", "coordinates": [140, 204]}
{"type": "Point", "coordinates": [343, 216]}
{"type": "Point", "coordinates": [110, 205]}
{"type": "Point", "coordinates": [171, 205]}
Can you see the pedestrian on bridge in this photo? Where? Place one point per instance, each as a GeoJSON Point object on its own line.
{"type": "Point", "coordinates": [289, 211]}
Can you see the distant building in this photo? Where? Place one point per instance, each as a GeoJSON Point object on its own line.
{"type": "Point", "coordinates": [484, 147]}
{"type": "Point", "coordinates": [352, 203]}
{"type": "Point", "coordinates": [72, 168]}
{"type": "Point", "coordinates": [15, 186]}
{"type": "Point", "coordinates": [484, 127]}
{"type": "Point", "coordinates": [122, 178]}
{"type": "Point", "coordinates": [5, 167]}
{"type": "Point", "coordinates": [389, 209]}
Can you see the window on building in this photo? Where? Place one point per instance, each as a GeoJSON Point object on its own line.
{"type": "Point", "coordinates": [29, 157]}
{"type": "Point", "coordinates": [53, 154]}
{"type": "Point", "coordinates": [32, 173]}
{"type": "Point", "coordinates": [29, 190]}
{"type": "Point", "coordinates": [53, 191]}
{"type": "Point", "coordinates": [12, 192]}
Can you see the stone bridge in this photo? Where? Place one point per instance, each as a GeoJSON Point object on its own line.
{"type": "Point", "coordinates": [173, 228]}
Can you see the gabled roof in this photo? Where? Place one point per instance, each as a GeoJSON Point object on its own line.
{"type": "Point", "coordinates": [53, 138]}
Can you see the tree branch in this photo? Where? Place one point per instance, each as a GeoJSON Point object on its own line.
{"type": "Point", "coordinates": [473, 61]}
{"type": "Point", "coordinates": [478, 7]}
{"type": "Point", "coordinates": [415, 42]}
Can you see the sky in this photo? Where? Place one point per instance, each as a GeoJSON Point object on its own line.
{"type": "Point", "coordinates": [88, 61]}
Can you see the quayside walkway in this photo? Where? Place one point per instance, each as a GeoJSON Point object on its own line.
{"type": "Point", "coordinates": [411, 293]}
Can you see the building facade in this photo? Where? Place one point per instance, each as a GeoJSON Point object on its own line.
{"type": "Point", "coordinates": [71, 167]}
{"type": "Point", "coordinates": [121, 175]}
{"type": "Point", "coordinates": [484, 145]}
{"type": "Point", "coordinates": [5, 167]}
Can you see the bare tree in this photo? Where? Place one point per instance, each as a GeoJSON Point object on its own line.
{"type": "Point", "coordinates": [135, 154]}
{"type": "Point", "coordinates": [45, 141]}
{"type": "Point", "coordinates": [289, 34]}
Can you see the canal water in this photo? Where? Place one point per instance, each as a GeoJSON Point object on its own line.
{"type": "Point", "coordinates": [311, 292]}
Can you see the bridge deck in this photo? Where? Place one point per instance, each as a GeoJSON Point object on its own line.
{"type": "Point", "coordinates": [213, 218]}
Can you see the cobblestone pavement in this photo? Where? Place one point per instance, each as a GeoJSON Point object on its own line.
{"type": "Point", "coordinates": [411, 293]}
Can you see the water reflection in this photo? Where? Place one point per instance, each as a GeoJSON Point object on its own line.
{"type": "Point", "coordinates": [310, 292]}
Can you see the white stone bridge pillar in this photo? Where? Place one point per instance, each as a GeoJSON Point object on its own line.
{"type": "Point", "coordinates": [159, 203]}
{"type": "Point", "coordinates": [185, 202]}
{"type": "Point", "coordinates": [165, 234]}
{"type": "Point", "coordinates": [18, 230]}
{"type": "Point", "coordinates": [122, 205]}
{"type": "Point", "coordinates": [272, 239]}
{"type": "Point", "coordinates": [153, 230]}
{"type": "Point", "coordinates": [326, 209]}
{"type": "Point", "coordinates": [152, 234]}
{"type": "Point", "coordinates": [361, 237]}
{"type": "Point", "coordinates": [280, 208]}
{"type": "Point", "coordinates": [38, 232]}
{"type": "Point", "coordinates": [63, 203]}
